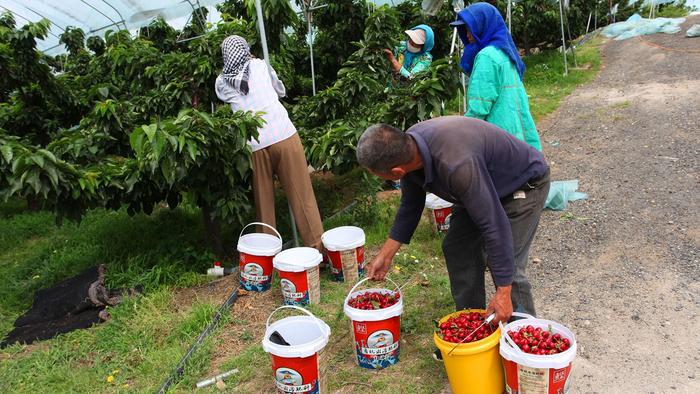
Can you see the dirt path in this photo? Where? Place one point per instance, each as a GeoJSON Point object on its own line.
{"type": "Point", "coordinates": [622, 268]}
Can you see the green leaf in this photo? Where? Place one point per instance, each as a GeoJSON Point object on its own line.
{"type": "Point", "coordinates": [158, 146]}
{"type": "Point", "coordinates": [136, 140]}
{"type": "Point", "coordinates": [34, 181]}
{"type": "Point", "coordinates": [6, 151]}
{"type": "Point", "coordinates": [48, 155]}
{"type": "Point", "coordinates": [192, 149]}
{"type": "Point", "coordinates": [103, 91]}
{"type": "Point", "coordinates": [150, 131]}
{"type": "Point", "coordinates": [181, 143]}
{"type": "Point", "coordinates": [39, 160]}
{"type": "Point", "coordinates": [206, 118]}
{"type": "Point", "coordinates": [53, 175]}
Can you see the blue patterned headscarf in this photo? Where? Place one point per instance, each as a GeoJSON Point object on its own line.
{"type": "Point", "coordinates": [488, 28]}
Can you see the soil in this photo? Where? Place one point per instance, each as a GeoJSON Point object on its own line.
{"type": "Point", "coordinates": [621, 268]}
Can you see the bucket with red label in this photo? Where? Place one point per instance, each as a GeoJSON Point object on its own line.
{"type": "Point", "coordinates": [298, 269]}
{"type": "Point", "coordinates": [376, 332]}
{"type": "Point", "coordinates": [346, 252]}
{"type": "Point", "coordinates": [293, 344]}
{"type": "Point", "coordinates": [537, 373]}
{"type": "Point", "coordinates": [440, 212]}
{"type": "Point", "coordinates": [256, 251]}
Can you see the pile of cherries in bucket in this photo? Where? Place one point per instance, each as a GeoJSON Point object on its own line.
{"type": "Point", "coordinates": [372, 300]}
{"type": "Point", "coordinates": [460, 328]}
{"type": "Point", "coordinates": [538, 341]}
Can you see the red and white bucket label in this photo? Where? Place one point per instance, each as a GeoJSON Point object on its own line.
{"type": "Point", "coordinates": [256, 271]}
{"type": "Point", "coordinates": [441, 219]}
{"type": "Point", "coordinates": [377, 342]}
{"type": "Point", "coordinates": [523, 379]}
{"type": "Point", "coordinates": [296, 375]}
{"type": "Point", "coordinates": [301, 288]}
{"type": "Point", "coordinates": [347, 265]}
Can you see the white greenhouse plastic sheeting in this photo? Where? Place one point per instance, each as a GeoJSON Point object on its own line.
{"type": "Point", "coordinates": [95, 17]}
{"type": "Point", "coordinates": [693, 31]}
{"type": "Point", "coordinates": [638, 26]}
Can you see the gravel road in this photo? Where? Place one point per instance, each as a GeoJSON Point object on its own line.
{"type": "Point", "coordinates": [622, 268]}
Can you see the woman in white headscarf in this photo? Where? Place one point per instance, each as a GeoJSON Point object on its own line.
{"type": "Point", "coordinates": [247, 84]}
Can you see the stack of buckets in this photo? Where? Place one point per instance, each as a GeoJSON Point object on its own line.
{"type": "Point", "coordinates": [298, 267]}
{"type": "Point", "coordinates": [478, 367]}
{"type": "Point", "coordinates": [440, 212]}
{"type": "Point", "coordinates": [376, 333]}
{"type": "Point", "coordinates": [296, 366]}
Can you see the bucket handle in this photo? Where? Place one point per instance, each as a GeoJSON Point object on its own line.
{"type": "Point", "coordinates": [260, 224]}
{"type": "Point", "coordinates": [398, 289]}
{"type": "Point", "coordinates": [505, 335]}
{"type": "Point", "coordinates": [316, 319]}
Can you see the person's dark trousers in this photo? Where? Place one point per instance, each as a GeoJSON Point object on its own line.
{"type": "Point", "coordinates": [466, 257]}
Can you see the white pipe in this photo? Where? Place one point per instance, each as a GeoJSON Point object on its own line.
{"type": "Point", "coordinates": [563, 37]}
{"type": "Point", "coordinates": [214, 379]}
{"type": "Point", "coordinates": [311, 53]}
{"type": "Point", "coordinates": [263, 37]}
{"type": "Point", "coordinates": [510, 16]}
{"type": "Point", "coordinates": [454, 39]}
{"type": "Point", "coordinates": [588, 25]}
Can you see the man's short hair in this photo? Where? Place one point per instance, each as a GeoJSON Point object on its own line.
{"type": "Point", "coordinates": [383, 147]}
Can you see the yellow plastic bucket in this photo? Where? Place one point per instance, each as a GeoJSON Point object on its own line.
{"type": "Point", "coordinates": [475, 367]}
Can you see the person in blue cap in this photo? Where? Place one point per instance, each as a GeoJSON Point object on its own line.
{"type": "Point", "coordinates": [412, 56]}
{"type": "Point", "coordinates": [496, 92]}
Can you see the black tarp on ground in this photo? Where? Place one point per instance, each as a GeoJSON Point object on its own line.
{"type": "Point", "coordinates": [77, 302]}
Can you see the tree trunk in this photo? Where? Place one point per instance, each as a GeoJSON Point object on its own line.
{"type": "Point", "coordinates": [526, 42]}
{"type": "Point", "coordinates": [212, 229]}
{"type": "Point", "coordinates": [33, 204]}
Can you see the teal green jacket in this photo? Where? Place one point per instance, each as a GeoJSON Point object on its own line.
{"type": "Point", "coordinates": [418, 64]}
{"type": "Point", "coordinates": [497, 95]}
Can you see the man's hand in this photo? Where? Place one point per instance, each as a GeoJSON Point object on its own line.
{"type": "Point", "coordinates": [380, 265]}
{"type": "Point", "coordinates": [501, 305]}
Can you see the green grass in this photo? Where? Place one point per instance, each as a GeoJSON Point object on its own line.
{"type": "Point", "coordinates": [138, 347]}
{"type": "Point", "coordinates": [545, 81]}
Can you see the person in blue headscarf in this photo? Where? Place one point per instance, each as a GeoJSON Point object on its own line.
{"type": "Point", "coordinates": [412, 56]}
{"type": "Point", "coordinates": [496, 92]}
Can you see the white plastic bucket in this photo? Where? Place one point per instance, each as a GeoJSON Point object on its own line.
{"type": "Point", "coordinates": [295, 367]}
{"type": "Point", "coordinates": [256, 251]}
{"type": "Point", "coordinates": [529, 373]}
{"type": "Point", "coordinates": [440, 212]}
{"type": "Point", "coordinates": [299, 275]}
{"type": "Point", "coordinates": [376, 333]}
{"type": "Point", "coordinates": [346, 252]}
